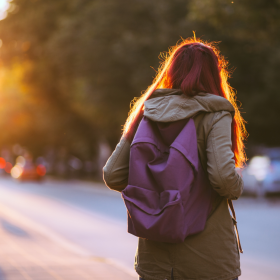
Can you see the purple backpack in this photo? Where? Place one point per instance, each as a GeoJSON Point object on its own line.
{"type": "Point", "coordinates": [168, 195]}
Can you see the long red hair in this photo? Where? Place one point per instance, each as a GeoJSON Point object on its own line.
{"type": "Point", "coordinates": [193, 66]}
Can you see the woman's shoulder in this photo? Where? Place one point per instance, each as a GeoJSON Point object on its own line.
{"type": "Point", "coordinates": [214, 103]}
{"type": "Point", "coordinates": [173, 106]}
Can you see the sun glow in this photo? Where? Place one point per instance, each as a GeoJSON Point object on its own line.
{"type": "Point", "coordinates": [4, 6]}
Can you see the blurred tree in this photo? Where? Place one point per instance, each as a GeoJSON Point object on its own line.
{"type": "Point", "coordinates": [25, 34]}
{"type": "Point", "coordinates": [88, 59]}
{"type": "Point", "coordinates": [107, 49]}
{"type": "Point", "coordinates": [249, 31]}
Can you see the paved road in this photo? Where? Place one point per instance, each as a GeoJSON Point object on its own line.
{"type": "Point", "coordinates": [93, 219]}
{"type": "Point", "coordinates": [28, 255]}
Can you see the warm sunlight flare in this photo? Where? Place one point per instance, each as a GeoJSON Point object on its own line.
{"type": "Point", "coordinates": [4, 6]}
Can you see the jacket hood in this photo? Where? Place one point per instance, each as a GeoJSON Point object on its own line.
{"type": "Point", "coordinates": [168, 105]}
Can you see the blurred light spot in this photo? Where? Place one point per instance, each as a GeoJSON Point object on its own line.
{"type": "Point", "coordinates": [259, 166]}
{"type": "Point", "coordinates": [16, 171]}
{"type": "Point", "coordinates": [17, 149]}
{"type": "Point", "coordinates": [2, 163]}
{"type": "Point", "coordinates": [1, 43]}
{"type": "Point", "coordinates": [8, 167]}
{"type": "Point", "coordinates": [75, 163]}
{"type": "Point", "coordinates": [20, 161]}
{"type": "Point", "coordinates": [13, 8]}
{"type": "Point", "coordinates": [4, 6]}
{"type": "Point", "coordinates": [41, 170]}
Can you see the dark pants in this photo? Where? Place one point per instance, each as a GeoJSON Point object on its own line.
{"type": "Point", "coordinates": [172, 278]}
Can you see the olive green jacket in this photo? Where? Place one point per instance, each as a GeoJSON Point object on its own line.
{"type": "Point", "coordinates": [212, 253]}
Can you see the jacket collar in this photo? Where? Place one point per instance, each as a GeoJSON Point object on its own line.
{"type": "Point", "coordinates": [167, 105]}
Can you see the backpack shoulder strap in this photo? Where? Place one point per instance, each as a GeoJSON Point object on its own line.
{"type": "Point", "coordinates": [230, 204]}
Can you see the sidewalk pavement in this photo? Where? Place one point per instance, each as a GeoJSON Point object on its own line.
{"type": "Point", "coordinates": [29, 255]}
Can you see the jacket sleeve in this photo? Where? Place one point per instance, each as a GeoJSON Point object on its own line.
{"type": "Point", "coordinates": [220, 163]}
{"type": "Point", "coordinates": [115, 171]}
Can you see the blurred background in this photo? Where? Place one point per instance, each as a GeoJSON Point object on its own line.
{"type": "Point", "coordinates": [68, 71]}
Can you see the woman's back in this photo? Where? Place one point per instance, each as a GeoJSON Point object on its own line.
{"type": "Point", "coordinates": [215, 249]}
{"type": "Point", "coordinates": [192, 84]}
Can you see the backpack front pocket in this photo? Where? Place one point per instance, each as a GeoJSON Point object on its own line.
{"type": "Point", "coordinates": [155, 216]}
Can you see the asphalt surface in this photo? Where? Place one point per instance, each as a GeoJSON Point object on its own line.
{"type": "Point", "coordinates": [28, 255]}
{"type": "Point", "coordinates": [90, 219]}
